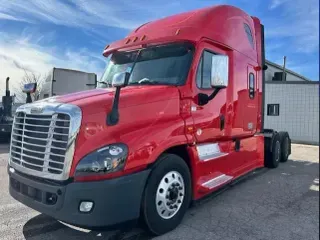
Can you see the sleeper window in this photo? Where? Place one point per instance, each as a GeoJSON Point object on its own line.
{"type": "Point", "coordinates": [249, 34]}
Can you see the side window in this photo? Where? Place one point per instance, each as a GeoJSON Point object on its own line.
{"type": "Point", "coordinates": [251, 85]}
{"type": "Point", "coordinates": [249, 34]}
{"type": "Point", "coordinates": [204, 70]}
{"type": "Point", "coordinates": [273, 109]}
{"type": "Point", "coordinates": [211, 66]}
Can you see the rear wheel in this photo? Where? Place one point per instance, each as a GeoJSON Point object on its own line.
{"type": "Point", "coordinates": [167, 194]}
{"type": "Point", "coordinates": [273, 153]}
{"type": "Point", "coordinates": [285, 146]}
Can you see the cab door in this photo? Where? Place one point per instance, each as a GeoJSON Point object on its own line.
{"type": "Point", "coordinates": [209, 119]}
{"type": "Point", "coordinates": [214, 147]}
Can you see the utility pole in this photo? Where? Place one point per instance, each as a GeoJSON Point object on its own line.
{"type": "Point", "coordinates": [284, 69]}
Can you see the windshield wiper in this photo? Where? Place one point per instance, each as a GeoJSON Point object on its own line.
{"type": "Point", "coordinates": [105, 82]}
{"type": "Point", "coordinates": [145, 82]}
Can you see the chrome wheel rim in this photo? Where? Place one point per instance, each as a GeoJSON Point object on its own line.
{"type": "Point", "coordinates": [170, 194]}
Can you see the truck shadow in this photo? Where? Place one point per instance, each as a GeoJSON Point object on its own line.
{"type": "Point", "coordinates": [44, 227]}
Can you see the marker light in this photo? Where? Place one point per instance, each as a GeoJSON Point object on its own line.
{"type": "Point", "coordinates": [143, 37]}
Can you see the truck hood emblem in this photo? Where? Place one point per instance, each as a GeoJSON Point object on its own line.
{"type": "Point", "coordinates": [36, 110]}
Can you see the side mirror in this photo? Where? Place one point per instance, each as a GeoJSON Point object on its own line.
{"type": "Point", "coordinates": [29, 88]}
{"type": "Point", "coordinates": [120, 79]}
{"type": "Point", "coordinates": [219, 71]}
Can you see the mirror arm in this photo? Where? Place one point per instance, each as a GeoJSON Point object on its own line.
{"type": "Point", "coordinates": [29, 99]}
{"type": "Point", "coordinates": [203, 98]}
{"type": "Point", "coordinates": [113, 115]}
{"type": "Point", "coordinates": [215, 92]}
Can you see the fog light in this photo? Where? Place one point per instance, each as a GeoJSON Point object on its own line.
{"type": "Point", "coordinates": [85, 206]}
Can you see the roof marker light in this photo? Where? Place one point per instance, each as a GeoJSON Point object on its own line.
{"type": "Point", "coordinates": [178, 31]}
{"type": "Point", "coordinates": [135, 39]}
{"type": "Point", "coordinates": [143, 37]}
{"type": "Point", "coordinates": [128, 40]}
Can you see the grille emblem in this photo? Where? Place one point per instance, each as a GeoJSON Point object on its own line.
{"type": "Point", "coordinates": [36, 110]}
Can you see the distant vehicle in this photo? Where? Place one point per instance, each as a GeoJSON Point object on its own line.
{"type": "Point", "coordinates": [61, 81]}
{"type": "Point", "coordinates": [6, 118]}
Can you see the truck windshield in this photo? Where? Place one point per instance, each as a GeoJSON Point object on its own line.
{"type": "Point", "coordinates": [157, 65]}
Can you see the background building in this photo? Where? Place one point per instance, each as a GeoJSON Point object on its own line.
{"type": "Point", "coordinates": [292, 104]}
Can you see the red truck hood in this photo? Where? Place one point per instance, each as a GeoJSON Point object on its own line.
{"type": "Point", "coordinates": [68, 98]}
{"type": "Point", "coordinates": [129, 96]}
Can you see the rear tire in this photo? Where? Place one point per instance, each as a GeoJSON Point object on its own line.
{"type": "Point", "coordinates": [272, 158]}
{"type": "Point", "coordinates": [165, 203]}
{"type": "Point", "coordinates": [285, 146]}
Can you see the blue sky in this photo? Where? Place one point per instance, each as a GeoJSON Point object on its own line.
{"type": "Point", "coordinates": [40, 34]}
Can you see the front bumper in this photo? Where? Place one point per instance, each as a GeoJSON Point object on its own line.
{"type": "Point", "coordinates": [115, 201]}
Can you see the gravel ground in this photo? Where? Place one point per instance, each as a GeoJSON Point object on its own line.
{"type": "Point", "coordinates": [279, 204]}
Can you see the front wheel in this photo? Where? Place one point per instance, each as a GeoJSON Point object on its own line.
{"type": "Point", "coordinates": [167, 194]}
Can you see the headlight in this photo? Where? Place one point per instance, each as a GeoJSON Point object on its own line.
{"type": "Point", "coordinates": [108, 159]}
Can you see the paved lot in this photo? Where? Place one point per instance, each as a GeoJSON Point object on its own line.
{"type": "Point", "coordinates": [273, 204]}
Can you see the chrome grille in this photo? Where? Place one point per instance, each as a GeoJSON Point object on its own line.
{"type": "Point", "coordinates": [39, 142]}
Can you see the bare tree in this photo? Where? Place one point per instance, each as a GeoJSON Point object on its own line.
{"type": "Point", "coordinates": [30, 77]}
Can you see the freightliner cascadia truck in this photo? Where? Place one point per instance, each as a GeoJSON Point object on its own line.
{"type": "Point", "coordinates": [177, 115]}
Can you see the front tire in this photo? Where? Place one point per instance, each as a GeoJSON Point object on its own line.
{"type": "Point", "coordinates": [167, 194]}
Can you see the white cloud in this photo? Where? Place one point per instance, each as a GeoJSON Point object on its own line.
{"type": "Point", "coordinates": [9, 17]}
{"type": "Point", "coordinates": [18, 53]}
{"type": "Point", "coordinates": [276, 3]}
{"type": "Point", "coordinates": [27, 51]}
{"type": "Point", "coordinates": [87, 14]}
{"type": "Point", "coordinates": [298, 21]}
{"type": "Point", "coordinates": [80, 13]}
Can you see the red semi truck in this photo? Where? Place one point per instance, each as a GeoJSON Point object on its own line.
{"type": "Point", "coordinates": [178, 114]}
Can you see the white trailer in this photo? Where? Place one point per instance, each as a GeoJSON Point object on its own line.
{"type": "Point", "coordinates": [61, 81]}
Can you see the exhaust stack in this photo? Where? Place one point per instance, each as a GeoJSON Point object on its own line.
{"type": "Point", "coordinates": [7, 87]}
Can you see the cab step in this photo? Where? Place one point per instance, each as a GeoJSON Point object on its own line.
{"type": "Point", "coordinates": [209, 183]}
